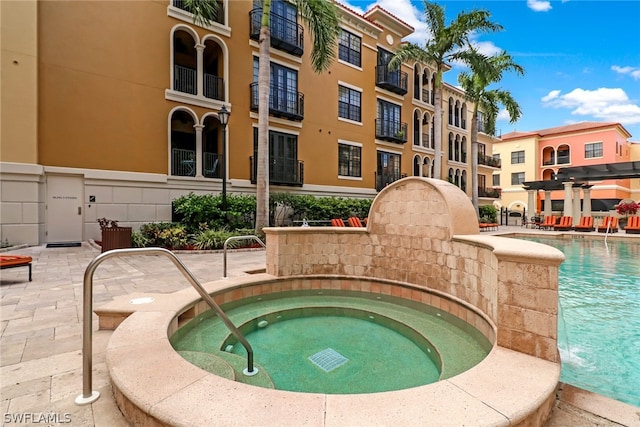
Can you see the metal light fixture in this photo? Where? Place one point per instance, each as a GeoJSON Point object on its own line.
{"type": "Point", "coordinates": [223, 117]}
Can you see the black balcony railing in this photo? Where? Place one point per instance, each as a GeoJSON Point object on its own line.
{"type": "Point", "coordinates": [282, 171]}
{"type": "Point", "coordinates": [391, 130]}
{"type": "Point", "coordinates": [184, 79]}
{"type": "Point", "coordinates": [213, 87]}
{"type": "Point", "coordinates": [286, 35]}
{"type": "Point", "coordinates": [483, 159]}
{"type": "Point", "coordinates": [563, 160]}
{"type": "Point", "coordinates": [548, 162]}
{"type": "Point", "coordinates": [384, 179]}
{"type": "Point", "coordinates": [392, 80]}
{"type": "Point", "coordinates": [493, 193]}
{"type": "Point", "coordinates": [211, 167]}
{"type": "Point", "coordinates": [218, 17]}
{"type": "Point", "coordinates": [183, 162]}
{"type": "Point", "coordinates": [282, 102]}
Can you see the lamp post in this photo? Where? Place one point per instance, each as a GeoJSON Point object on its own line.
{"type": "Point", "coordinates": [223, 117]}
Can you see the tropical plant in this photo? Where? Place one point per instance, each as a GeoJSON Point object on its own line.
{"type": "Point", "coordinates": [444, 44]}
{"type": "Point", "coordinates": [485, 71]}
{"type": "Point", "coordinates": [489, 213]}
{"type": "Point", "coordinates": [322, 19]}
{"type": "Point", "coordinates": [627, 208]}
{"type": "Point", "coordinates": [214, 239]}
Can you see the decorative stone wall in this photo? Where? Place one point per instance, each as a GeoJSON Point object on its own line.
{"type": "Point", "coordinates": [425, 232]}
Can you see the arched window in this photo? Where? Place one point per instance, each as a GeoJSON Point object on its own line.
{"type": "Point", "coordinates": [451, 146]}
{"type": "Point", "coordinates": [427, 167]}
{"type": "Point", "coordinates": [463, 150]}
{"type": "Point", "coordinates": [416, 165]}
{"type": "Point", "coordinates": [416, 128]}
{"type": "Point", "coordinates": [450, 111]}
{"type": "Point", "coordinates": [456, 113]}
{"type": "Point", "coordinates": [185, 62]}
{"type": "Point", "coordinates": [456, 177]}
{"type": "Point", "coordinates": [457, 148]}
{"type": "Point", "coordinates": [426, 97]}
{"type": "Point", "coordinates": [183, 144]}
{"type": "Point", "coordinates": [563, 155]}
{"type": "Point", "coordinates": [463, 181]}
{"type": "Point", "coordinates": [450, 177]}
{"type": "Point", "coordinates": [548, 156]}
{"type": "Point", "coordinates": [213, 72]}
{"type": "Point", "coordinates": [416, 82]}
{"type": "Point", "coordinates": [426, 141]}
{"type": "Point", "coordinates": [212, 148]}
{"type": "Point", "coordinates": [463, 116]}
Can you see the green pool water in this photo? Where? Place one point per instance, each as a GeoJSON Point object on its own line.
{"type": "Point", "coordinates": [341, 343]}
{"type": "Point", "coordinates": [599, 315]}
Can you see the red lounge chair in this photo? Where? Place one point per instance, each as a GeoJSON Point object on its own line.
{"type": "Point", "coordinates": [491, 226]}
{"type": "Point", "coordinates": [611, 222]}
{"type": "Point", "coordinates": [548, 223]}
{"type": "Point", "coordinates": [337, 222]}
{"type": "Point", "coordinates": [586, 224]}
{"type": "Point", "coordinates": [12, 261]}
{"type": "Point", "coordinates": [633, 225]}
{"type": "Point", "coordinates": [354, 221]}
{"type": "Point", "coordinates": [566, 223]}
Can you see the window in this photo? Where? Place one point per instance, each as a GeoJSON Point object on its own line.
{"type": "Point", "coordinates": [387, 169]}
{"type": "Point", "coordinates": [349, 48]}
{"type": "Point", "coordinates": [496, 180]}
{"type": "Point", "coordinates": [349, 104]}
{"type": "Point", "coordinates": [593, 150]}
{"type": "Point", "coordinates": [349, 160]}
{"type": "Point", "coordinates": [517, 178]}
{"type": "Point", "coordinates": [517, 157]}
{"type": "Point", "coordinates": [284, 167]}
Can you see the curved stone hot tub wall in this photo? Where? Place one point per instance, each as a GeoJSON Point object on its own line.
{"type": "Point", "coordinates": [425, 232]}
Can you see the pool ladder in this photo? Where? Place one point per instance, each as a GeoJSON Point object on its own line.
{"type": "Point", "coordinates": [89, 396]}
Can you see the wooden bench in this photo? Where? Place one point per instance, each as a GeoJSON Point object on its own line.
{"type": "Point", "coordinates": [12, 261]}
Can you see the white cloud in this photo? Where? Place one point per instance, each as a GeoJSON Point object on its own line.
{"type": "Point", "coordinates": [607, 104]}
{"type": "Point", "coordinates": [503, 115]}
{"type": "Point", "coordinates": [632, 71]}
{"type": "Point", "coordinates": [539, 6]}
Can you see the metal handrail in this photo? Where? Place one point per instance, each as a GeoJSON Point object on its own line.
{"type": "Point", "coordinates": [89, 396]}
{"type": "Point", "coordinates": [224, 249]}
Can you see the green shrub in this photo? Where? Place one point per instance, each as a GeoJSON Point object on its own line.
{"type": "Point", "coordinates": [214, 239]}
{"type": "Point", "coordinates": [293, 207]}
{"type": "Point", "coordinates": [489, 213]}
{"type": "Point", "coordinates": [164, 235]}
{"type": "Point", "coordinates": [202, 212]}
{"type": "Point", "coordinates": [138, 240]}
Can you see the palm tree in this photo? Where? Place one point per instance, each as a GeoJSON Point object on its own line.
{"type": "Point", "coordinates": [484, 71]}
{"type": "Point", "coordinates": [445, 44]}
{"type": "Point", "coordinates": [322, 19]}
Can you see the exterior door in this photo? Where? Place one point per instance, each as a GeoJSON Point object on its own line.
{"type": "Point", "coordinates": [64, 208]}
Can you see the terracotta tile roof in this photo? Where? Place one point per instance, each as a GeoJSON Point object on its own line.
{"type": "Point", "coordinates": [368, 12]}
{"type": "Point", "coordinates": [357, 14]}
{"type": "Point", "coordinates": [575, 127]}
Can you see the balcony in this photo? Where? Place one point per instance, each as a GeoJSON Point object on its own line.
{"type": "Point", "coordinates": [392, 80]}
{"type": "Point", "coordinates": [183, 162]}
{"type": "Point", "coordinates": [391, 130]}
{"type": "Point", "coordinates": [384, 179]}
{"type": "Point", "coordinates": [491, 193]}
{"type": "Point", "coordinates": [184, 79]}
{"type": "Point", "coordinates": [219, 15]}
{"type": "Point", "coordinates": [212, 167]}
{"type": "Point", "coordinates": [282, 171]}
{"type": "Point", "coordinates": [489, 161]}
{"type": "Point", "coordinates": [213, 87]}
{"type": "Point", "coordinates": [288, 104]}
{"type": "Point", "coordinates": [564, 160]}
{"type": "Point", "coordinates": [286, 35]}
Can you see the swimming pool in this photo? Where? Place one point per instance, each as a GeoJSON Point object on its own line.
{"type": "Point", "coordinates": [599, 315]}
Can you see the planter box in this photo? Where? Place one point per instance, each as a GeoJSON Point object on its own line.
{"type": "Point", "coordinates": [116, 238]}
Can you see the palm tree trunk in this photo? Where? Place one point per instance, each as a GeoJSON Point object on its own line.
{"type": "Point", "coordinates": [474, 159]}
{"type": "Point", "coordinates": [264, 83]}
{"type": "Point", "coordinates": [437, 131]}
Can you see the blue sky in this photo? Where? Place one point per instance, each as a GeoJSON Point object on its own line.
{"type": "Point", "coordinates": [581, 57]}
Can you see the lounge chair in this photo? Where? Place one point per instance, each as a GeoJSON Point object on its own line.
{"type": "Point", "coordinates": [633, 225]}
{"type": "Point", "coordinates": [337, 222]}
{"type": "Point", "coordinates": [12, 261]}
{"type": "Point", "coordinates": [586, 224]}
{"type": "Point", "coordinates": [565, 224]}
{"type": "Point", "coordinates": [354, 221]}
{"type": "Point", "coordinates": [548, 223]}
{"type": "Point", "coordinates": [488, 226]}
{"type": "Point", "coordinates": [611, 222]}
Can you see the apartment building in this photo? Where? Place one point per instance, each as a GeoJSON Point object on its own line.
{"type": "Point", "coordinates": [113, 111]}
{"type": "Point", "coordinates": [539, 155]}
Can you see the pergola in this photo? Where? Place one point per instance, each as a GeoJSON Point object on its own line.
{"type": "Point", "coordinates": [573, 179]}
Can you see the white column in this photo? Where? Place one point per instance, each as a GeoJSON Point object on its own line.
{"type": "Point", "coordinates": [568, 208]}
{"type": "Point", "coordinates": [586, 209]}
{"type": "Point", "coordinates": [531, 203]}
{"type": "Point", "coordinates": [200, 69]}
{"type": "Point", "coordinates": [575, 213]}
{"type": "Point", "coordinates": [199, 157]}
{"type": "Point", "coordinates": [547, 203]}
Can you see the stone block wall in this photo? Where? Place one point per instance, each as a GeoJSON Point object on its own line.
{"type": "Point", "coordinates": [425, 232]}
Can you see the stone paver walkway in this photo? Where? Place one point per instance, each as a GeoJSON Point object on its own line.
{"type": "Point", "coordinates": [41, 332]}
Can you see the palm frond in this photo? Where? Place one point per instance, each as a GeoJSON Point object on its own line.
{"type": "Point", "coordinates": [323, 21]}
{"type": "Point", "coordinates": [204, 11]}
